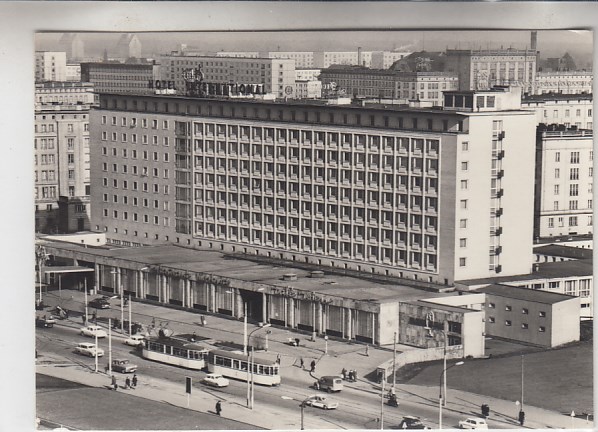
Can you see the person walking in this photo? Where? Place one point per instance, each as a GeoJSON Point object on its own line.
{"type": "Point", "coordinates": [302, 363]}
{"type": "Point", "coordinates": [367, 350]}
{"type": "Point", "coordinates": [114, 384]}
{"type": "Point", "coordinates": [313, 366]}
{"type": "Point", "coordinates": [128, 383]}
{"type": "Point", "coordinates": [278, 359]}
{"type": "Point", "coordinates": [134, 382]}
{"type": "Point", "coordinates": [218, 408]}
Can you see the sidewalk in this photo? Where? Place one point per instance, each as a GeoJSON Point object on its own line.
{"type": "Point", "coordinates": [330, 357]}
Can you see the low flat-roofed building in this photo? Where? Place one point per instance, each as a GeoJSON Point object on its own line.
{"type": "Point", "coordinates": [561, 109]}
{"type": "Point", "coordinates": [536, 317]}
{"type": "Point", "coordinates": [554, 253]}
{"type": "Point", "coordinates": [573, 278]}
{"type": "Point", "coordinates": [352, 308]}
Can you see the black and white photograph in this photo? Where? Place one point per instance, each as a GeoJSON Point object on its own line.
{"type": "Point", "coordinates": [309, 228]}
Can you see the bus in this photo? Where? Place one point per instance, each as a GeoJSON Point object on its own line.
{"type": "Point", "coordinates": [235, 365]}
{"type": "Point", "coordinates": [177, 352]}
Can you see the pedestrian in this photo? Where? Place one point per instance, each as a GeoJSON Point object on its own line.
{"type": "Point", "coordinates": [278, 359]}
{"type": "Point", "coordinates": [344, 373]}
{"type": "Point", "coordinates": [134, 382]}
{"type": "Point", "coordinates": [313, 366]}
{"type": "Point", "coordinates": [296, 342]}
{"type": "Point", "coordinates": [218, 408]}
{"type": "Point", "coordinates": [114, 385]}
{"type": "Point", "coordinates": [521, 417]}
{"type": "Point", "coordinates": [367, 350]}
{"type": "Point", "coordinates": [128, 383]}
{"type": "Point", "coordinates": [302, 363]}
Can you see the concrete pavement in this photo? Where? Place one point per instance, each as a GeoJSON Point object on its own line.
{"type": "Point", "coordinates": [330, 357]}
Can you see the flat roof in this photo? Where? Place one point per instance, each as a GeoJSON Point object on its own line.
{"type": "Point", "coordinates": [234, 267]}
{"type": "Point", "coordinates": [548, 270]}
{"type": "Point", "coordinates": [526, 294]}
{"type": "Point", "coordinates": [564, 251]}
{"type": "Point", "coordinates": [442, 306]}
{"type": "Point", "coordinates": [66, 269]}
{"type": "Point", "coordinates": [556, 96]}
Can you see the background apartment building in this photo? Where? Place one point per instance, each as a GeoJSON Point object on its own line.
{"type": "Point", "coordinates": [569, 110]}
{"type": "Point", "coordinates": [113, 77]}
{"type": "Point", "coordinates": [482, 69]}
{"type": "Point", "coordinates": [277, 75]}
{"type": "Point", "coordinates": [425, 87]}
{"type": "Point", "coordinates": [309, 74]}
{"type": "Point", "coordinates": [344, 186]}
{"type": "Point", "coordinates": [568, 82]}
{"type": "Point", "coordinates": [308, 89]}
{"type": "Point", "coordinates": [62, 156]}
{"type": "Point", "coordinates": [564, 185]}
{"type": "Point", "coordinates": [50, 66]}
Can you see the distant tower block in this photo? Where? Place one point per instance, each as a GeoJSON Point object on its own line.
{"type": "Point", "coordinates": [534, 40]}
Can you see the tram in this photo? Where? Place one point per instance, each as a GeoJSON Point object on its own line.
{"type": "Point", "coordinates": [177, 352]}
{"type": "Point", "coordinates": [235, 365]}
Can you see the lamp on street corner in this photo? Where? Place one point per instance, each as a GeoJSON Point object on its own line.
{"type": "Point", "coordinates": [443, 374]}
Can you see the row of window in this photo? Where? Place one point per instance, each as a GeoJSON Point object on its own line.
{"type": "Point", "coordinates": [573, 156]}
{"type": "Point", "coordinates": [573, 173]}
{"type": "Point", "coordinates": [135, 186]}
{"type": "Point", "coordinates": [524, 311]}
{"type": "Point", "coordinates": [573, 221]}
{"type": "Point", "coordinates": [144, 155]}
{"type": "Point", "coordinates": [43, 128]}
{"type": "Point", "coordinates": [524, 326]}
{"type": "Point", "coordinates": [134, 140]}
{"type": "Point", "coordinates": [135, 217]}
{"type": "Point", "coordinates": [132, 122]}
{"type": "Point", "coordinates": [556, 113]}
{"type": "Point", "coordinates": [145, 202]}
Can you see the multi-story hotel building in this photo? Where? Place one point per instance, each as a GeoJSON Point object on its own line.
{"type": "Point", "coordinates": [62, 181]}
{"type": "Point", "coordinates": [277, 75]}
{"type": "Point", "coordinates": [427, 194]}
{"type": "Point", "coordinates": [116, 77]}
{"type": "Point", "coordinates": [482, 69]}
{"type": "Point", "coordinates": [567, 82]}
{"type": "Point", "coordinates": [562, 109]}
{"type": "Point", "coordinates": [50, 66]}
{"type": "Point", "coordinates": [564, 190]}
{"type": "Point", "coordinates": [427, 87]}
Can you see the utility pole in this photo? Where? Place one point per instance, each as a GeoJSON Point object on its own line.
{"type": "Point", "coordinates": [130, 324]}
{"type": "Point", "coordinates": [522, 357]}
{"type": "Point", "coordinates": [85, 287]}
{"type": "Point", "coordinates": [96, 352]}
{"type": "Point", "coordinates": [245, 329]}
{"type": "Point", "coordinates": [110, 346]}
{"type": "Point", "coordinates": [444, 365]}
{"type": "Point", "coordinates": [122, 310]}
{"type": "Point", "coordinates": [394, 362]}
{"type": "Point", "coordinates": [252, 387]}
{"type": "Point", "coordinates": [382, 400]}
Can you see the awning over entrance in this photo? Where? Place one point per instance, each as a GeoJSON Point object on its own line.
{"type": "Point", "coordinates": [66, 269]}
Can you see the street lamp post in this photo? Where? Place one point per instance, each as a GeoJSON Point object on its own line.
{"type": "Point", "coordinates": [302, 406]}
{"type": "Point", "coordinates": [130, 323]}
{"type": "Point", "coordinates": [110, 346]}
{"type": "Point", "coordinates": [250, 387]}
{"type": "Point", "coordinates": [41, 257]}
{"type": "Point", "coordinates": [382, 400]}
{"type": "Point", "coordinates": [443, 374]}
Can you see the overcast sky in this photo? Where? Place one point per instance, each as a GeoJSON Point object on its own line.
{"type": "Point", "coordinates": [550, 43]}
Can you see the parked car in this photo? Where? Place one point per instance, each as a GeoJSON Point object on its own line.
{"type": "Point", "coordinates": [88, 349]}
{"type": "Point", "coordinates": [93, 330]}
{"type": "Point", "coordinates": [473, 423]}
{"type": "Point", "coordinates": [123, 366]}
{"type": "Point", "coordinates": [99, 303]}
{"type": "Point", "coordinates": [134, 340]}
{"type": "Point", "coordinates": [47, 322]}
{"type": "Point", "coordinates": [215, 380]}
{"type": "Point", "coordinates": [411, 422]}
{"type": "Point", "coordinates": [321, 402]}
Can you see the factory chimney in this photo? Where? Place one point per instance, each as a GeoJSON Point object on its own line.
{"type": "Point", "coordinates": [534, 40]}
{"type": "Point", "coordinates": [359, 56]}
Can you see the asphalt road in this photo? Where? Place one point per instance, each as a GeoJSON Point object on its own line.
{"type": "Point", "coordinates": [89, 408]}
{"type": "Point", "coordinates": [358, 409]}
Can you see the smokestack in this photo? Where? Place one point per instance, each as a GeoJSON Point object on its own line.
{"type": "Point", "coordinates": [534, 40]}
{"type": "Point", "coordinates": [359, 56]}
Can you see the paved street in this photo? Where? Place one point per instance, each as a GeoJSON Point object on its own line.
{"type": "Point", "coordinates": [83, 407]}
{"type": "Point", "coordinates": [359, 402]}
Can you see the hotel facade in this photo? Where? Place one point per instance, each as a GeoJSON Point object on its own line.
{"type": "Point", "coordinates": [428, 195]}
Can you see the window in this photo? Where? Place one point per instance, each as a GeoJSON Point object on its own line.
{"type": "Point", "coordinates": [555, 205]}
{"type": "Point", "coordinates": [524, 326]}
{"type": "Point", "coordinates": [541, 329]}
{"type": "Point", "coordinates": [524, 311]}
{"type": "Point", "coordinates": [556, 189]}
{"type": "Point", "coordinates": [491, 305]}
{"type": "Point", "coordinates": [573, 189]}
{"type": "Point", "coordinates": [491, 319]}
{"type": "Point", "coordinates": [542, 314]}
{"type": "Point", "coordinates": [463, 242]}
{"type": "Point", "coordinates": [463, 223]}
{"type": "Point", "coordinates": [557, 157]}
{"type": "Point", "coordinates": [508, 308]}
{"type": "Point", "coordinates": [557, 173]}
{"type": "Point", "coordinates": [464, 184]}
{"type": "Point", "coordinates": [463, 204]}
{"type": "Point", "coordinates": [508, 323]}
{"type": "Point", "coordinates": [550, 222]}
{"type": "Point", "coordinates": [574, 174]}
{"type": "Point", "coordinates": [575, 157]}
{"type": "Point", "coordinates": [465, 146]}
{"type": "Point", "coordinates": [464, 166]}
{"type": "Point", "coordinates": [572, 221]}
{"type": "Point", "coordinates": [573, 205]}
{"type": "Point", "coordinates": [462, 262]}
